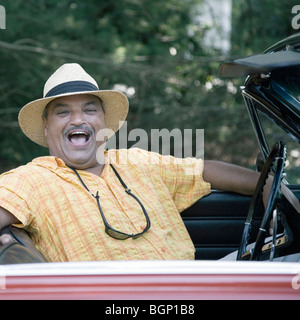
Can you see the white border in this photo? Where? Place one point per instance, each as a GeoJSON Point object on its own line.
{"type": "Point", "coordinates": [151, 268]}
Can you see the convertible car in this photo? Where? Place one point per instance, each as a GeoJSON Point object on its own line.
{"type": "Point", "coordinates": [219, 224]}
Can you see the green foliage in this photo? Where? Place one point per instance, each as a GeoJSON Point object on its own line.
{"type": "Point", "coordinates": [128, 42]}
{"type": "Point", "coordinates": [258, 24]}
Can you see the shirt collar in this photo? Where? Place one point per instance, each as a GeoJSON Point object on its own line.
{"type": "Point", "coordinates": [53, 163]}
{"type": "Point", "coordinates": [49, 162]}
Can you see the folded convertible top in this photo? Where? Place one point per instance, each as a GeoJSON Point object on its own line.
{"type": "Point", "coordinates": [261, 63]}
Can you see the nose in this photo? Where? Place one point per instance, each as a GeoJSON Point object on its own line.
{"type": "Point", "coordinates": [77, 117]}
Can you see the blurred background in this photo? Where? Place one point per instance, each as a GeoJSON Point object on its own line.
{"type": "Point", "coordinates": [164, 54]}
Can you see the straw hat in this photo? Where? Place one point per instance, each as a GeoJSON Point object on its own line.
{"type": "Point", "coordinates": [68, 80]}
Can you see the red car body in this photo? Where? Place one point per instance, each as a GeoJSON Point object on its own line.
{"type": "Point", "coordinates": [152, 280]}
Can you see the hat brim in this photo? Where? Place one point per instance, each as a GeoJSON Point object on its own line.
{"type": "Point", "coordinates": [115, 103]}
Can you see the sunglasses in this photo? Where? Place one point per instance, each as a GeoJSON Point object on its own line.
{"type": "Point", "coordinates": [108, 229]}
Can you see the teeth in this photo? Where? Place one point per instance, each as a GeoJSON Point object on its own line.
{"type": "Point", "coordinates": [79, 132]}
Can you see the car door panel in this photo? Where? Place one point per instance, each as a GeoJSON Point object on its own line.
{"type": "Point", "coordinates": [216, 223]}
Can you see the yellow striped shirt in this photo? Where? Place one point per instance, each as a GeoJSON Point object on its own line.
{"type": "Point", "coordinates": [64, 221]}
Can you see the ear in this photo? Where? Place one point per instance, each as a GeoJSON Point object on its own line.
{"type": "Point", "coordinates": [45, 122]}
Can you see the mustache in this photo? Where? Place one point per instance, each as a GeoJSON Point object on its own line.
{"type": "Point", "coordinates": [81, 127]}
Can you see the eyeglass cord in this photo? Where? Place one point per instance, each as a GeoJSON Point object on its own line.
{"type": "Point", "coordinates": [116, 173]}
{"type": "Point", "coordinates": [127, 190]}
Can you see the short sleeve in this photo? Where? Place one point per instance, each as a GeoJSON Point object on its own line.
{"type": "Point", "coordinates": [184, 179]}
{"type": "Point", "coordinates": [17, 196]}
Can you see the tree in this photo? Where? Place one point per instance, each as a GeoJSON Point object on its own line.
{"type": "Point", "coordinates": [153, 48]}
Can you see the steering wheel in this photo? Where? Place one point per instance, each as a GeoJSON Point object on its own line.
{"type": "Point", "coordinates": [276, 163]}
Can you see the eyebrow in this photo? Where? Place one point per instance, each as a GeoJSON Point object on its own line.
{"type": "Point", "coordinates": [58, 105]}
{"type": "Point", "coordinates": [91, 103]}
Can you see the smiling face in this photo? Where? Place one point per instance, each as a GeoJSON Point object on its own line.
{"type": "Point", "coordinates": [71, 125]}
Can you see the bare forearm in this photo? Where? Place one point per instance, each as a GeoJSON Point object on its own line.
{"type": "Point", "coordinates": [228, 177]}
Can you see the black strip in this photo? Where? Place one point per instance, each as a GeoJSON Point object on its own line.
{"type": "Point", "coordinates": [71, 86]}
{"type": "Point", "coordinates": [119, 177]}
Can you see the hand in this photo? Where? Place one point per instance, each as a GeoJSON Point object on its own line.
{"type": "Point", "coordinates": [5, 239]}
{"type": "Point", "coordinates": [271, 227]}
{"type": "Point", "coordinates": [288, 194]}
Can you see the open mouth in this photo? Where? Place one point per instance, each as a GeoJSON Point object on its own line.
{"type": "Point", "coordinates": [79, 137]}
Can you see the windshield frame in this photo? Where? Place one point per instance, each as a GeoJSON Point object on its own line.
{"type": "Point", "coordinates": [257, 108]}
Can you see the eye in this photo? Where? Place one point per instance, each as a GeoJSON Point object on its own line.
{"type": "Point", "coordinates": [63, 112]}
{"type": "Point", "coordinates": [90, 110]}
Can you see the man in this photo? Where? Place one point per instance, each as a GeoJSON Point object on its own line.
{"type": "Point", "coordinates": [77, 205]}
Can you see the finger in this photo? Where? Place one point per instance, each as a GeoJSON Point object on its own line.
{"type": "Point", "coordinates": [293, 200]}
{"type": "Point", "coordinates": [271, 227]}
{"type": "Point", "coordinates": [6, 239]}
